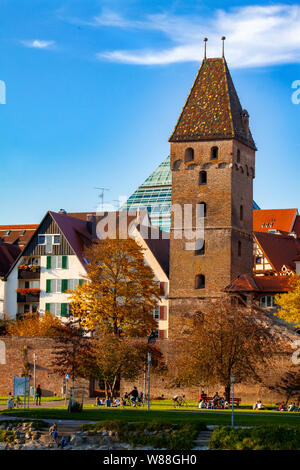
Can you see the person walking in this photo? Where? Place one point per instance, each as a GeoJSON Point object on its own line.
{"type": "Point", "coordinates": [38, 395]}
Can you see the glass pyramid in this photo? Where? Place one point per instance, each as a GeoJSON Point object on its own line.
{"type": "Point", "coordinates": [155, 195]}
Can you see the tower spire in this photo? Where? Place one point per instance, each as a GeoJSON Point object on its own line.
{"type": "Point", "coordinates": [223, 46]}
{"type": "Point", "coordinates": [205, 41]}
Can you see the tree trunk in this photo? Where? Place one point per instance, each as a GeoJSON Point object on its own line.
{"type": "Point", "coordinates": [227, 392]}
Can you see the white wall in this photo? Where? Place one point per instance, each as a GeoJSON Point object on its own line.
{"type": "Point", "coordinates": [10, 304]}
{"type": "Point", "coordinates": [2, 296]}
{"type": "Point", "coordinates": [75, 270]}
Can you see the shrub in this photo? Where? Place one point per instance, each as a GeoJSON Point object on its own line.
{"type": "Point", "coordinates": [156, 434]}
{"type": "Point", "coordinates": [76, 407]}
{"type": "Point", "coordinates": [267, 437]}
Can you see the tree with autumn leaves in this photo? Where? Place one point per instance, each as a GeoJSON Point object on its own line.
{"type": "Point", "coordinates": [289, 303]}
{"type": "Point", "coordinates": [120, 294]}
{"type": "Point", "coordinates": [224, 338]}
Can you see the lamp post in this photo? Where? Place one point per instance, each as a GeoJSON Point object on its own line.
{"type": "Point", "coordinates": [232, 380]}
{"type": "Point", "coordinates": [151, 339]}
{"type": "Point", "coordinates": [34, 375]}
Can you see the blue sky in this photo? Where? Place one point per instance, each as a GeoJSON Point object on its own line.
{"type": "Point", "coordinates": [94, 89]}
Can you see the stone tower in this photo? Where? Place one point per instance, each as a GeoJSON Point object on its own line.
{"type": "Point", "coordinates": [212, 162]}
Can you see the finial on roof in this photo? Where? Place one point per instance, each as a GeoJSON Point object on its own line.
{"type": "Point", "coordinates": [205, 41]}
{"type": "Point", "coordinates": [223, 41]}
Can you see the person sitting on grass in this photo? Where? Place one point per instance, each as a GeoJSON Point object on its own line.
{"type": "Point", "coordinates": [255, 406]}
{"type": "Point", "coordinates": [216, 399]}
{"type": "Point", "coordinates": [292, 407]}
{"type": "Point", "coordinates": [281, 407]}
{"type": "Point", "coordinates": [260, 406]}
{"type": "Point", "coordinates": [53, 432]}
{"type": "Point", "coordinates": [62, 443]}
{"type": "Point", "coordinates": [201, 404]}
{"type": "Point", "coordinates": [98, 402]}
{"type": "Point", "coordinates": [208, 405]}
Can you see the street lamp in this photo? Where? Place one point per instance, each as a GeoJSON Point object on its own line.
{"type": "Point", "coordinates": [232, 380]}
{"type": "Point", "coordinates": [151, 339]}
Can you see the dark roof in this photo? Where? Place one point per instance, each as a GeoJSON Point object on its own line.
{"type": "Point", "coordinates": [296, 227]}
{"type": "Point", "coordinates": [281, 250]}
{"type": "Point", "coordinates": [256, 283]}
{"type": "Point", "coordinates": [8, 254]}
{"type": "Point", "coordinates": [212, 109]}
{"type": "Point", "coordinates": [75, 231]}
{"type": "Point", "coordinates": [159, 243]}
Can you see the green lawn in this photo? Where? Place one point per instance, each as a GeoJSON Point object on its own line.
{"type": "Point", "coordinates": [176, 416]}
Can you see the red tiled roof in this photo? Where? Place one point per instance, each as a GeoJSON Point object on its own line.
{"type": "Point", "coordinates": [8, 255]}
{"type": "Point", "coordinates": [15, 234]}
{"type": "Point", "coordinates": [279, 249]}
{"type": "Point", "coordinates": [253, 283]}
{"type": "Point", "coordinates": [274, 219]}
{"type": "Point", "coordinates": [212, 109]}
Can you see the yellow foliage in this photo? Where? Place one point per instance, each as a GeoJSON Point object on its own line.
{"type": "Point", "coordinates": [289, 303]}
{"type": "Point", "coordinates": [120, 293]}
{"type": "Point", "coordinates": [34, 325]}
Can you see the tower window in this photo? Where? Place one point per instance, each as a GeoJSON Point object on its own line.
{"type": "Point", "coordinates": [239, 248]}
{"type": "Point", "coordinates": [189, 155]}
{"type": "Point", "coordinates": [204, 208]}
{"type": "Point", "coordinates": [200, 281]}
{"type": "Point", "coordinates": [200, 251]}
{"type": "Point", "coordinates": [202, 177]}
{"type": "Point", "coordinates": [214, 153]}
{"type": "Point", "coordinates": [238, 156]}
{"type": "Point", "coordinates": [241, 213]}
{"type": "Point", "coordinates": [176, 165]}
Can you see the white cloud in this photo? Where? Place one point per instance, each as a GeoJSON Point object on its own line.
{"type": "Point", "coordinates": [256, 36]}
{"type": "Point", "coordinates": [38, 44]}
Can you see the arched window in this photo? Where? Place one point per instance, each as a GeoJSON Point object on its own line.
{"type": "Point", "coordinates": [203, 204]}
{"type": "Point", "coordinates": [189, 155]}
{"type": "Point", "coordinates": [214, 153]}
{"type": "Point", "coordinates": [241, 213]}
{"type": "Point", "coordinates": [200, 251]}
{"type": "Point", "coordinates": [238, 156]}
{"type": "Point", "coordinates": [176, 165]}
{"type": "Point", "coordinates": [202, 177]}
{"type": "Point", "coordinates": [239, 248]}
{"type": "Point", "coordinates": [200, 281]}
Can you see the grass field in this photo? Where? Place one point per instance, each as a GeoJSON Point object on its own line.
{"type": "Point", "coordinates": [217, 417]}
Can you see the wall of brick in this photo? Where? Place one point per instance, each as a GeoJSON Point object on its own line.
{"type": "Point", "coordinates": [51, 383]}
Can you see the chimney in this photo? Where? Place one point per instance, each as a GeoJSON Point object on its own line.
{"type": "Point", "coordinates": [62, 211]}
{"type": "Point", "coordinates": [91, 224]}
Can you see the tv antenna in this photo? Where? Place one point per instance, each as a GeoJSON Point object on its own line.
{"type": "Point", "coordinates": [101, 195]}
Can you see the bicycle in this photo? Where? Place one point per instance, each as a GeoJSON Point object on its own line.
{"type": "Point", "coordinates": [179, 402]}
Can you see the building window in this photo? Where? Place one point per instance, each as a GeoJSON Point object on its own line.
{"type": "Point", "coordinates": [239, 248]}
{"type": "Point", "coordinates": [241, 213]}
{"type": "Point", "coordinates": [200, 281]}
{"type": "Point", "coordinates": [48, 241]}
{"type": "Point", "coordinates": [204, 208]}
{"type": "Point", "coordinates": [156, 313]}
{"type": "Point", "coordinates": [202, 177]}
{"type": "Point", "coordinates": [258, 260]}
{"type": "Point", "coordinates": [214, 153]}
{"type": "Point", "coordinates": [57, 262]}
{"type": "Point", "coordinates": [238, 156]}
{"type": "Point", "coordinates": [176, 165]}
{"type": "Point", "coordinates": [189, 155]}
{"type": "Point", "coordinates": [267, 301]}
{"type": "Point", "coordinates": [200, 251]}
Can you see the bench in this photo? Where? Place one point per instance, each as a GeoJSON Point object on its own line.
{"type": "Point", "coordinates": [236, 401]}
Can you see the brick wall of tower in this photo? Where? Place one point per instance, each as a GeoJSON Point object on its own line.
{"type": "Point", "coordinates": [227, 188]}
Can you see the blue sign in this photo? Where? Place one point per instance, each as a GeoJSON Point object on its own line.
{"type": "Point", "coordinates": [21, 386]}
{"type": "Point", "coordinates": [67, 376]}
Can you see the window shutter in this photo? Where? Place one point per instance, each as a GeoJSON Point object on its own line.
{"type": "Point", "coordinates": [48, 285]}
{"type": "Point", "coordinates": [80, 282]}
{"type": "Point", "coordinates": [48, 262]}
{"type": "Point", "coordinates": [64, 310]}
{"type": "Point", "coordinates": [162, 334]}
{"type": "Point", "coordinates": [162, 312]}
{"type": "Point", "coordinates": [47, 308]}
{"type": "Point", "coordinates": [64, 262]}
{"type": "Point", "coordinates": [64, 285]}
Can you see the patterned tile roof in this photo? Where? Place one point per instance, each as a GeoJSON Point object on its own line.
{"type": "Point", "coordinates": [212, 109]}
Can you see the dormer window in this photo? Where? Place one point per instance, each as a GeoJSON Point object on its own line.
{"type": "Point", "coordinates": [7, 232]}
{"type": "Point", "coordinates": [49, 241]}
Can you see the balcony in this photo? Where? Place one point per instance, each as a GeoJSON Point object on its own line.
{"type": "Point", "coordinates": [28, 295]}
{"type": "Point", "coordinates": [29, 272]}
